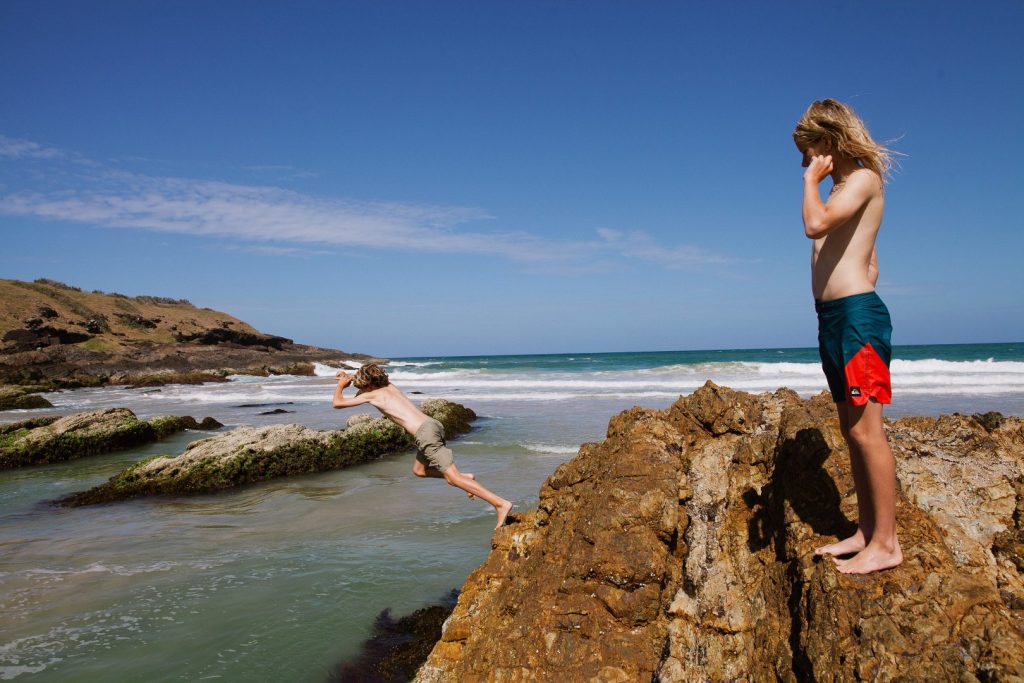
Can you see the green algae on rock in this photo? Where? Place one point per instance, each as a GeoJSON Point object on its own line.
{"type": "Point", "coordinates": [250, 454]}
{"type": "Point", "coordinates": [56, 439]}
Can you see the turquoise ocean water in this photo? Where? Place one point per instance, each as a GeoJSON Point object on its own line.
{"type": "Point", "coordinates": [280, 581]}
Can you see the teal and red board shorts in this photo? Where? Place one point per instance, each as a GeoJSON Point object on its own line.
{"type": "Point", "coordinates": [854, 335]}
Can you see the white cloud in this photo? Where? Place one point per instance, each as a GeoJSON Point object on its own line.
{"type": "Point", "coordinates": [280, 219]}
{"type": "Point", "coordinates": [12, 148]}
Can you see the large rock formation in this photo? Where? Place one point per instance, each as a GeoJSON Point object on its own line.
{"type": "Point", "coordinates": [681, 549]}
{"type": "Point", "coordinates": [53, 336]}
{"type": "Point", "coordinates": [250, 454]}
{"type": "Point", "coordinates": [45, 440]}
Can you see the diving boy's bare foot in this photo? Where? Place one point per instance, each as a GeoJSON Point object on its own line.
{"type": "Point", "coordinates": [470, 475]}
{"type": "Point", "coordinates": [853, 544]}
{"type": "Point", "coordinates": [872, 559]}
{"type": "Point", "coordinates": [502, 511]}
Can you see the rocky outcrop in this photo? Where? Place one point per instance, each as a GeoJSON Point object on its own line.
{"type": "Point", "coordinates": [55, 439]}
{"type": "Point", "coordinates": [250, 454]}
{"type": "Point", "coordinates": [56, 336]}
{"type": "Point", "coordinates": [682, 549]}
{"type": "Point", "coordinates": [20, 398]}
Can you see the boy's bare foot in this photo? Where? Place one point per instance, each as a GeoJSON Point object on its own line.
{"type": "Point", "coordinates": [872, 559]}
{"type": "Point", "coordinates": [853, 544]}
{"type": "Point", "coordinates": [470, 475]}
{"type": "Point", "coordinates": [502, 511]}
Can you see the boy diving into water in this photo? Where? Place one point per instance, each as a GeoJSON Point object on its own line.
{"type": "Point", "coordinates": [853, 324]}
{"type": "Point", "coordinates": [433, 457]}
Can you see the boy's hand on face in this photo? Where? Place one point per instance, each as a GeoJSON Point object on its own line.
{"type": "Point", "coordinates": [344, 378]}
{"type": "Point", "coordinates": [819, 167]}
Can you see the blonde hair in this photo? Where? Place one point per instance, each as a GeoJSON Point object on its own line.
{"type": "Point", "coordinates": [837, 123]}
{"type": "Point", "coordinates": [369, 377]}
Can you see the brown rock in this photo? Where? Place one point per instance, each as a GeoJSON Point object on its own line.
{"type": "Point", "coordinates": [681, 549]}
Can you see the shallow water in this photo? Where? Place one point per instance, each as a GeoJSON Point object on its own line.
{"type": "Point", "coordinates": [281, 580]}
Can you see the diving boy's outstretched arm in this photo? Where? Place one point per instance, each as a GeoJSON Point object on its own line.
{"type": "Point", "coordinates": [343, 401]}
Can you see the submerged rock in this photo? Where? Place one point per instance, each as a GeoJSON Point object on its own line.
{"type": "Point", "coordinates": [682, 548]}
{"type": "Point", "coordinates": [397, 648]}
{"type": "Point", "coordinates": [53, 439]}
{"type": "Point", "coordinates": [250, 454]}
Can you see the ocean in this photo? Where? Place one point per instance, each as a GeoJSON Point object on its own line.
{"type": "Point", "coordinates": [283, 580]}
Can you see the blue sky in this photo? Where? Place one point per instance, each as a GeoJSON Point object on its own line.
{"type": "Point", "coordinates": [453, 178]}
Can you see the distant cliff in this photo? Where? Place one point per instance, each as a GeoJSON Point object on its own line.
{"type": "Point", "coordinates": [53, 335]}
{"type": "Point", "coordinates": [681, 549]}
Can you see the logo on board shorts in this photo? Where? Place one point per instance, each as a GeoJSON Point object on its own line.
{"type": "Point", "coordinates": [854, 391]}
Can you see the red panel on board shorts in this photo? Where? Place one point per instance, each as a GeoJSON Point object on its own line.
{"type": "Point", "coordinates": [867, 377]}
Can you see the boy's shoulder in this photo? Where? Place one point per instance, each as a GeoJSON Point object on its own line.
{"type": "Point", "coordinates": [867, 179]}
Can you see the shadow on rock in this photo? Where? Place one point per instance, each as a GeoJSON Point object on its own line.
{"type": "Point", "coordinates": [800, 478]}
{"type": "Point", "coordinates": [397, 648]}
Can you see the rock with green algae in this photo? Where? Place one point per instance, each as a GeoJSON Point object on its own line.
{"type": "Point", "coordinates": [56, 439]}
{"type": "Point", "coordinates": [20, 398]}
{"type": "Point", "coordinates": [251, 454]}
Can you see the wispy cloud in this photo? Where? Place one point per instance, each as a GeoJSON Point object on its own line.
{"type": "Point", "coordinates": [281, 171]}
{"type": "Point", "coordinates": [13, 148]}
{"type": "Point", "coordinates": [281, 221]}
{"type": "Point", "coordinates": [275, 250]}
{"type": "Point", "coordinates": [637, 244]}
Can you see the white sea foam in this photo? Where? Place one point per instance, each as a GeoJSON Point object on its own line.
{"type": "Point", "coordinates": [930, 376]}
{"type": "Point", "coordinates": [551, 448]}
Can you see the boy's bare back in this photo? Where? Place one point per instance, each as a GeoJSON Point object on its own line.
{"type": "Point", "coordinates": [396, 406]}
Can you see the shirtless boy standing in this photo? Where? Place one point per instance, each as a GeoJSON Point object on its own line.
{"type": "Point", "coordinates": [853, 324]}
{"type": "Point", "coordinates": [433, 457]}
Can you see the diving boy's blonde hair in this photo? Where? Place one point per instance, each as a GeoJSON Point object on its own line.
{"type": "Point", "coordinates": [369, 377]}
{"type": "Point", "coordinates": [837, 123]}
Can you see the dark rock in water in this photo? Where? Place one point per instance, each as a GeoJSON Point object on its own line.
{"type": "Point", "coordinates": [397, 648]}
{"type": "Point", "coordinates": [208, 424]}
{"type": "Point", "coordinates": [265, 405]}
{"type": "Point", "coordinates": [682, 549]}
{"type": "Point", "coordinates": [990, 420]}
{"type": "Point", "coordinates": [415, 392]}
{"type": "Point", "coordinates": [277, 411]}
{"type": "Point", "coordinates": [19, 398]}
{"type": "Point", "coordinates": [251, 454]}
{"type": "Point", "coordinates": [53, 439]}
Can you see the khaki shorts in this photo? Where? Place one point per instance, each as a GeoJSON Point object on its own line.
{"type": "Point", "coordinates": [430, 446]}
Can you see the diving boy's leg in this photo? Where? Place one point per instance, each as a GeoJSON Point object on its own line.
{"type": "Point", "coordinates": [501, 506]}
{"type": "Point", "coordinates": [422, 470]}
{"type": "Point", "coordinates": [867, 433]}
